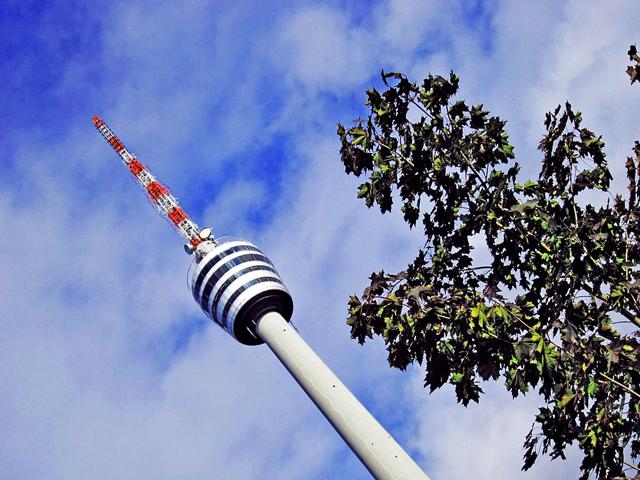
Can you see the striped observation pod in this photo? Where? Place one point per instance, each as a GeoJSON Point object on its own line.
{"type": "Point", "coordinates": [236, 284]}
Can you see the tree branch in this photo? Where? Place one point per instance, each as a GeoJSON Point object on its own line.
{"type": "Point", "coordinates": [621, 385]}
{"type": "Point", "coordinates": [605, 298]}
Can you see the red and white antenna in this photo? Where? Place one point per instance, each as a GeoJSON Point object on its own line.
{"type": "Point", "coordinates": [159, 195]}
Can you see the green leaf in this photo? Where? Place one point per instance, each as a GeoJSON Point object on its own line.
{"type": "Point", "coordinates": [567, 398]}
{"type": "Point", "coordinates": [521, 207]}
{"type": "Point", "coordinates": [507, 149]}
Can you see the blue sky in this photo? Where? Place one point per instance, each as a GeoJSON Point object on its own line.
{"type": "Point", "coordinates": [108, 369]}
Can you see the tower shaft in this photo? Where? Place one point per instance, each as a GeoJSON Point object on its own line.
{"type": "Point", "coordinates": [378, 451]}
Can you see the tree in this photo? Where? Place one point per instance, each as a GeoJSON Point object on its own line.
{"type": "Point", "coordinates": [555, 308]}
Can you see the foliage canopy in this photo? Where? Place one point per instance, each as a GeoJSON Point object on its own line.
{"type": "Point", "coordinates": [555, 305]}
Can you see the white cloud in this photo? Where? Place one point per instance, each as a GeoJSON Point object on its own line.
{"type": "Point", "coordinates": [92, 285]}
{"type": "Point", "coordinates": [231, 212]}
{"type": "Point", "coordinates": [585, 65]}
{"type": "Point", "coordinates": [484, 440]}
{"type": "Point", "coordinates": [404, 25]}
{"type": "Point", "coordinates": [320, 49]}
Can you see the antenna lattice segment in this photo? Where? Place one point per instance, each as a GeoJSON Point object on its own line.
{"type": "Point", "coordinates": [159, 195]}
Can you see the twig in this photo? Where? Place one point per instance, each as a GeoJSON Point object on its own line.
{"type": "Point", "coordinates": [631, 465]}
{"type": "Point", "coordinates": [621, 385]}
{"type": "Point", "coordinates": [394, 152]}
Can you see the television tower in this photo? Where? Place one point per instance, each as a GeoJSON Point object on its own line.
{"type": "Point", "coordinates": [237, 286]}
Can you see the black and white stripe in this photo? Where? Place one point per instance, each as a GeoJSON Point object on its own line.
{"type": "Point", "coordinates": [235, 284]}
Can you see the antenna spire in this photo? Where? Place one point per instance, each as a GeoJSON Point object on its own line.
{"type": "Point", "coordinates": [159, 195]}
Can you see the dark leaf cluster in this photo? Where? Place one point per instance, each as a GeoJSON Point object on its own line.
{"type": "Point", "coordinates": [555, 307]}
{"type": "Point", "coordinates": [634, 70]}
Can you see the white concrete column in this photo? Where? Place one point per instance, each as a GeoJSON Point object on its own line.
{"type": "Point", "coordinates": [378, 451]}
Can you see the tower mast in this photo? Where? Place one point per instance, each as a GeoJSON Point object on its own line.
{"type": "Point", "coordinates": [238, 287]}
{"type": "Point", "coordinates": [159, 195]}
